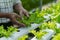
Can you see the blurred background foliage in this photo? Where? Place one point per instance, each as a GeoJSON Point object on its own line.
{"type": "Point", "coordinates": [30, 4]}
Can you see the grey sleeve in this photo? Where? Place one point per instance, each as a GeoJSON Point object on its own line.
{"type": "Point", "coordinates": [16, 1]}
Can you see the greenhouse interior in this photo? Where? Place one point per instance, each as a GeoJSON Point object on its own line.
{"type": "Point", "coordinates": [29, 19]}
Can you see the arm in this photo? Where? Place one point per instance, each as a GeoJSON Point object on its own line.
{"type": "Point", "coordinates": [4, 15]}
{"type": "Point", "coordinates": [9, 15]}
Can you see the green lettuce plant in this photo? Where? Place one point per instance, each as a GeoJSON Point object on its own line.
{"type": "Point", "coordinates": [56, 37]}
{"type": "Point", "coordinates": [35, 17]}
{"type": "Point", "coordinates": [8, 32]}
{"type": "Point", "coordinates": [38, 34]}
{"type": "Point", "coordinates": [48, 25]}
{"type": "Point", "coordinates": [23, 37]}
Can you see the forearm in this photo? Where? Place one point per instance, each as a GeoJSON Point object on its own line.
{"type": "Point", "coordinates": [4, 15]}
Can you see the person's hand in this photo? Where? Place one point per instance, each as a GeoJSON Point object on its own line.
{"type": "Point", "coordinates": [24, 12]}
{"type": "Point", "coordinates": [20, 9]}
{"type": "Point", "coordinates": [13, 17]}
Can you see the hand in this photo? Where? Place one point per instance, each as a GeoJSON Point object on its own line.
{"type": "Point", "coordinates": [19, 8]}
{"type": "Point", "coordinates": [13, 17]}
{"type": "Point", "coordinates": [24, 12]}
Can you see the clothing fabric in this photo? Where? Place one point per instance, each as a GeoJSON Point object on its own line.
{"type": "Point", "coordinates": [6, 6]}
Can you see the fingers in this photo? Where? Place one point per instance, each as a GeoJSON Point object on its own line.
{"type": "Point", "coordinates": [22, 25]}
{"type": "Point", "coordinates": [21, 15]}
{"type": "Point", "coordinates": [15, 22]}
{"type": "Point", "coordinates": [26, 13]}
{"type": "Point", "coordinates": [19, 24]}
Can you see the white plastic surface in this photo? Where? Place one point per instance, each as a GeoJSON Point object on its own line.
{"type": "Point", "coordinates": [47, 17]}
{"type": "Point", "coordinates": [48, 35]}
{"type": "Point", "coordinates": [3, 38]}
{"type": "Point", "coordinates": [34, 38]}
{"type": "Point", "coordinates": [58, 25]}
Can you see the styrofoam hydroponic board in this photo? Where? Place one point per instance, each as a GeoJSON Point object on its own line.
{"type": "Point", "coordinates": [46, 36]}
{"type": "Point", "coordinates": [24, 31]}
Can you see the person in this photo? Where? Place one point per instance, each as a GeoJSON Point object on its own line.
{"type": "Point", "coordinates": [7, 14]}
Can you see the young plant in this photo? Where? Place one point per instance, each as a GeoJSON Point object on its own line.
{"type": "Point", "coordinates": [56, 37]}
{"type": "Point", "coordinates": [48, 25]}
{"type": "Point", "coordinates": [57, 30]}
{"type": "Point", "coordinates": [38, 34]}
{"type": "Point", "coordinates": [23, 37]}
{"type": "Point", "coordinates": [8, 32]}
{"type": "Point", "coordinates": [35, 17]}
